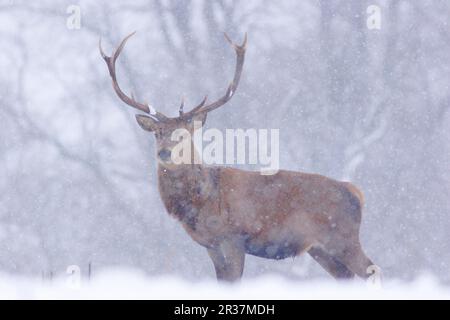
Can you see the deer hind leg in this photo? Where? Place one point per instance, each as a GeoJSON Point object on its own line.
{"type": "Point", "coordinates": [330, 263]}
{"type": "Point", "coordinates": [356, 260]}
{"type": "Point", "coordinates": [228, 259]}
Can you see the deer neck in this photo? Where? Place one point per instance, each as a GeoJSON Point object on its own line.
{"type": "Point", "coordinates": [186, 189]}
{"type": "Point", "coordinates": [180, 171]}
{"type": "Point", "coordinates": [180, 179]}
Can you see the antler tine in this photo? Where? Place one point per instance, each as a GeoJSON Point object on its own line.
{"type": "Point", "coordinates": [243, 46]}
{"type": "Point", "coordinates": [181, 111]}
{"type": "Point", "coordinates": [240, 57]}
{"type": "Point", "coordinates": [111, 63]}
{"type": "Point", "coordinates": [198, 107]}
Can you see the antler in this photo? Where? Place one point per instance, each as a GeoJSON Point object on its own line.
{"type": "Point", "coordinates": [111, 63]}
{"type": "Point", "coordinates": [240, 56]}
{"type": "Point", "coordinates": [202, 107]}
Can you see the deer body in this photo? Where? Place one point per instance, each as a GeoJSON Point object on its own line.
{"type": "Point", "coordinates": [269, 216]}
{"type": "Point", "coordinates": [233, 212]}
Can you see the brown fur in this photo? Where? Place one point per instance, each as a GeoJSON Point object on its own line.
{"type": "Point", "coordinates": [273, 216]}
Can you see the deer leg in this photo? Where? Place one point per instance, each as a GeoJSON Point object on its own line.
{"type": "Point", "coordinates": [228, 259]}
{"type": "Point", "coordinates": [331, 264]}
{"type": "Point", "coordinates": [356, 260]}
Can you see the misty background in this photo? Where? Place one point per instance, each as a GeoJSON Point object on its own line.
{"type": "Point", "coordinates": [78, 176]}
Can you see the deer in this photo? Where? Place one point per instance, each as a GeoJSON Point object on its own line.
{"type": "Point", "coordinates": [233, 212]}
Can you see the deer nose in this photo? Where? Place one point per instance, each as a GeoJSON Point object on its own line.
{"type": "Point", "coordinates": [164, 154]}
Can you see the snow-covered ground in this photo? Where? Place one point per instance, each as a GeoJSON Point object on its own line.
{"type": "Point", "coordinates": [126, 284]}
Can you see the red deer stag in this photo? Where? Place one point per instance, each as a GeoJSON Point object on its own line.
{"type": "Point", "coordinates": [232, 212]}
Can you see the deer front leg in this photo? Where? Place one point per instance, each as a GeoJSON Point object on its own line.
{"type": "Point", "coordinates": [228, 259]}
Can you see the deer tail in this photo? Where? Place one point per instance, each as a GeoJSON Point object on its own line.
{"type": "Point", "coordinates": [356, 192]}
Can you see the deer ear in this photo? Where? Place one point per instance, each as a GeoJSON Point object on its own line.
{"type": "Point", "coordinates": [146, 123]}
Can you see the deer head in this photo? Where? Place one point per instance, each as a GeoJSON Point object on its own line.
{"type": "Point", "coordinates": [161, 125]}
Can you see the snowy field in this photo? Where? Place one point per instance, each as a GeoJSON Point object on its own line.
{"type": "Point", "coordinates": [134, 285]}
